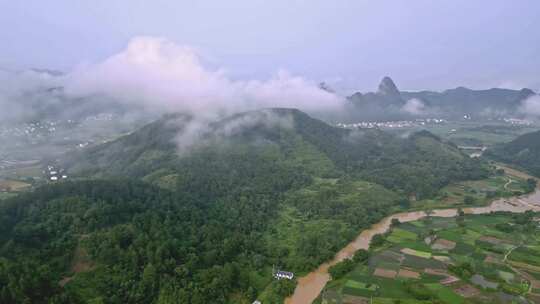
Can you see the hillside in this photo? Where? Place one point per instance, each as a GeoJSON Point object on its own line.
{"type": "Point", "coordinates": [174, 147]}
{"type": "Point", "coordinates": [162, 220]}
{"type": "Point", "coordinates": [523, 151]}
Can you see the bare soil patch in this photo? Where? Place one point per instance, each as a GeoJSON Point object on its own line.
{"type": "Point", "coordinates": [81, 263]}
{"type": "Point", "coordinates": [439, 272]}
{"type": "Point", "coordinates": [408, 274]}
{"type": "Point", "coordinates": [467, 291]}
{"type": "Point", "coordinates": [442, 244]}
{"type": "Point", "coordinates": [491, 240]}
{"type": "Point", "coordinates": [449, 280]}
{"type": "Point", "coordinates": [12, 186]}
{"type": "Point", "coordinates": [493, 260]}
{"type": "Point", "coordinates": [385, 273]}
{"type": "Point", "coordinates": [350, 299]}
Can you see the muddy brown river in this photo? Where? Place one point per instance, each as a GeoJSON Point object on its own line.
{"type": "Point", "coordinates": [310, 286]}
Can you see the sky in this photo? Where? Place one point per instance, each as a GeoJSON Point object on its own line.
{"type": "Point", "coordinates": [350, 44]}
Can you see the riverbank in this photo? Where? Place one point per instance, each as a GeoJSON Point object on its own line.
{"type": "Point", "coordinates": [310, 285]}
{"type": "Point", "coordinates": [475, 258]}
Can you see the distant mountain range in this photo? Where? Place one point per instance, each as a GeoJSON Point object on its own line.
{"type": "Point", "coordinates": [390, 103]}
{"type": "Point", "coordinates": [48, 100]}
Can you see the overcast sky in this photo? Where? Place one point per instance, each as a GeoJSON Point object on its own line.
{"type": "Point", "coordinates": [351, 44]}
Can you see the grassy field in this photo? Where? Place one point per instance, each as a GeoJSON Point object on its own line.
{"type": "Point", "coordinates": [473, 259]}
{"type": "Point", "coordinates": [480, 192]}
{"type": "Point", "coordinates": [469, 133]}
{"type": "Point", "coordinates": [4, 195]}
{"type": "Point", "coordinates": [13, 185]}
{"type": "Point", "coordinates": [10, 188]}
{"type": "Point", "coordinates": [33, 171]}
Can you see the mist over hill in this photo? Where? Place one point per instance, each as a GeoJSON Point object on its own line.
{"type": "Point", "coordinates": [153, 76]}
{"type": "Point", "coordinates": [166, 148]}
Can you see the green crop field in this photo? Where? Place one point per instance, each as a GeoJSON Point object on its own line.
{"type": "Point", "coordinates": [445, 294]}
{"type": "Point", "coordinates": [495, 257]}
{"type": "Point", "coordinates": [399, 235]}
{"type": "Point", "coordinates": [477, 193]}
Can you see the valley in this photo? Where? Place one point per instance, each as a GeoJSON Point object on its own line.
{"type": "Point", "coordinates": [301, 191]}
{"type": "Point", "coordinates": [269, 152]}
{"type": "Point", "coordinates": [468, 259]}
{"type": "Point", "coordinates": [404, 246]}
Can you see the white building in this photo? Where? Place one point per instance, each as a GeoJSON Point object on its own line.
{"type": "Point", "coordinates": [283, 275]}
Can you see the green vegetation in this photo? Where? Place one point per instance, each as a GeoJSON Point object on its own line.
{"type": "Point", "coordinates": [472, 263]}
{"type": "Point", "coordinates": [126, 226]}
{"type": "Point", "coordinates": [304, 142]}
{"type": "Point", "coordinates": [523, 151]}
{"type": "Point", "coordinates": [321, 218]}
{"type": "Point", "coordinates": [474, 134]}
{"type": "Point", "coordinates": [477, 192]}
{"type": "Point", "coordinates": [204, 224]}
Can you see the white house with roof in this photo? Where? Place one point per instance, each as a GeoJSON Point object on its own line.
{"type": "Point", "coordinates": [283, 275]}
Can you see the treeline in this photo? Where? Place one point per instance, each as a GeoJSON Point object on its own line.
{"type": "Point", "coordinates": [523, 151]}
{"type": "Point", "coordinates": [428, 163]}
{"type": "Point", "coordinates": [206, 238]}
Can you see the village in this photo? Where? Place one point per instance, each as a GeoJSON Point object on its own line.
{"type": "Point", "coordinates": [392, 124]}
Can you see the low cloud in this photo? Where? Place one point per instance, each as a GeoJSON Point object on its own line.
{"type": "Point", "coordinates": [163, 76]}
{"type": "Point", "coordinates": [530, 106]}
{"type": "Point", "coordinates": [201, 131]}
{"type": "Point", "coordinates": [155, 76]}
{"type": "Point", "coordinates": [160, 74]}
{"type": "Point", "coordinates": [414, 106]}
{"type": "Point", "coordinates": [21, 92]}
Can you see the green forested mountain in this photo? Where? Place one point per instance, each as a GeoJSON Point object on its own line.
{"type": "Point", "coordinates": [283, 136]}
{"type": "Point", "coordinates": [523, 151]}
{"type": "Point", "coordinates": [185, 212]}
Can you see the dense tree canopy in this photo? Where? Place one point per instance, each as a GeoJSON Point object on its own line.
{"type": "Point", "coordinates": [206, 226]}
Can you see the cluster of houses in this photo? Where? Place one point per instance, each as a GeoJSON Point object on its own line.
{"type": "Point", "coordinates": [518, 122]}
{"type": "Point", "coordinates": [37, 129]}
{"type": "Point", "coordinates": [280, 274]}
{"type": "Point", "coordinates": [53, 174]}
{"type": "Point", "coordinates": [392, 124]}
{"type": "Point", "coordinates": [283, 275]}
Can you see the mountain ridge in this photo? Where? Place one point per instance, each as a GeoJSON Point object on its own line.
{"type": "Point", "coordinates": [388, 102]}
{"type": "Point", "coordinates": [171, 144]}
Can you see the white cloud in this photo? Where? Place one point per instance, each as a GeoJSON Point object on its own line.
{"type": "Point", "coordinates": [161, 74]}
{"type": "Point", "coordinates": [414, 106]}
{"type": "Point", "coordinates": [530, 106]}
{"type": "Point", "coordinates": [20, 91]}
